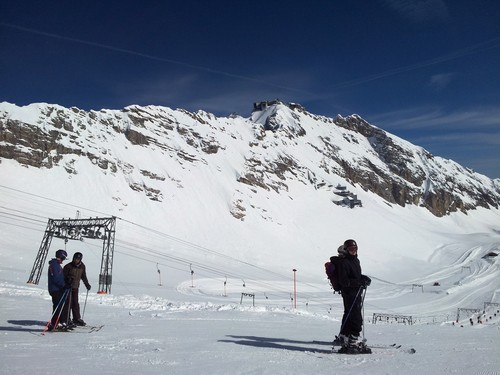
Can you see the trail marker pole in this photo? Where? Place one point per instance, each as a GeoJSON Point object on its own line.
{"type": "Point", "coordinates": [192, 276]}
{"type": "Point", "coordinates": [294, 288]}
{"type": "Point", "coordinates": [159, 273]}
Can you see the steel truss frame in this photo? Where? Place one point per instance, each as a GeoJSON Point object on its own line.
{"type": "Point", "coordinates": [78, 229]}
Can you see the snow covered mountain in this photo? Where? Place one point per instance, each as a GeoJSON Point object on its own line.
{"type": "Point", "coordinates": [277, 173]}
{"type": "Point", "coordinates": [278, 144]}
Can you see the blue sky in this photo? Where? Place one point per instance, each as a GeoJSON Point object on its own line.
{"type": "Point", "coordinates": [425, 70]}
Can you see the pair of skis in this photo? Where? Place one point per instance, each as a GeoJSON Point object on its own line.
{"type": "Point", "coordinates": [364, 349]}
{"type": "Point", "coordinates": [81, 329]}
{"type": "Point", "coordinates": [77, 329]}
{"type": "Point", "coordinates": [394, 347]}
{"type": "Point", "coordinates": [397, 347]}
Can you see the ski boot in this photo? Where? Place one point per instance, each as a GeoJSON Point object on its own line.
{"type": "Point", "coordinates": [64, 327]}
{"type": "Point", "coordinates": [79, 322]}
{"type": "Point", "coordinates": [363, 348]}
{"type": "Point", "coordinates": [340, 340]}
{"type": "Point", "coordinates": [354, 346]}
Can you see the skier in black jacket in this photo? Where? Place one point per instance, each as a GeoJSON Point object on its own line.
{"type": "Point", "coordinates": [73, 273]}
{"type": "Point", "coordinates": [352, 282]}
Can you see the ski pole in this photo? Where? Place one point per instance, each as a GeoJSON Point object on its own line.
{"type": "Point", "coordinates": [363, 314]}
{"type": "Point", "coordinates": [69, 305]}
{"type": "Point", "coordinates": [53, 314]}
{"type": "Point", "coordinates": [66, 293]}
{"type": "Point", "coordinates": [85, 304]}
{"type": "Point", "coordinates": [61, 300]}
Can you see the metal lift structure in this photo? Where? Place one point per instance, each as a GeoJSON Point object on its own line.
{"type": "Point", "coordinates": [78, 229]}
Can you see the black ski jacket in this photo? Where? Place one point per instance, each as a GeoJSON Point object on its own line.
{"type": "Point", "coordinates": [350, 272]}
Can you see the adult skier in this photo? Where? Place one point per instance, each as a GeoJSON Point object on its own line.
{"type": "Point", "coordinates": [57, 290]}
{"type": "Point", "coordinates": [73, 273]}
{"type": "Point", "coordinates": [352, 283]}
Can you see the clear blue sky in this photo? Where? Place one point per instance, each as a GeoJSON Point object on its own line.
{"type": "Point", "coordinates": [425, 70]}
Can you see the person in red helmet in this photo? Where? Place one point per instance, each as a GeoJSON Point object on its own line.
{"type": "Point", "coordinates": [73, 273]}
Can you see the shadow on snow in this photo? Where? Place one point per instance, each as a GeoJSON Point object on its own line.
{"type": "Point", "coordinates": [23, 323]}
{"type": "Point", "coordinates": [278, 343]}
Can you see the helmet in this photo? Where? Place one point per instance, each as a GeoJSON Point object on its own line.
{"type": "Point", "coordinates": [77, 256]}
{"type": "Point", "coordinates": [61, 254]}
{"type": "Point", "coordinates": [349, 243]}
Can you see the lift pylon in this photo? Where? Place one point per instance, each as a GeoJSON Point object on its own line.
{"type": "Point", "coordinates": [77, 229]}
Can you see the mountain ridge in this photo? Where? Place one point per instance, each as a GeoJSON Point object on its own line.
{"type": "Point", "coordinates": [278, 143]}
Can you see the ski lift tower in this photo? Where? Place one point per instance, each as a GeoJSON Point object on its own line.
{"type": "Point", "coordinates": [78, 229]}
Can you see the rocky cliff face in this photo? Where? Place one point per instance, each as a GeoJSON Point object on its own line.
{"type": "Point", "coordinates": [414, 176]}
{"type": "Point", "coordinates": [279, 144]}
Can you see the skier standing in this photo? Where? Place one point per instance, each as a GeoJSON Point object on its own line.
{"type": "Point", "coordinates": [73, 273]}
{"type": "Point", "coordinates": [56, 286]}
{"type": "Point", "coordinates": [352, 283]}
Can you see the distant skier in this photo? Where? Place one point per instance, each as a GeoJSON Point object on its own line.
{"type": "Point", "coordinates": [352, 284]}
{"type": "Point", "coordinates": [56, 286]}
{"type": "Point", "coordinates": [73, 273]}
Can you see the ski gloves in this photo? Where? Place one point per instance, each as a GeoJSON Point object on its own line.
{"type": "Point", "coordinates": [365, 281]}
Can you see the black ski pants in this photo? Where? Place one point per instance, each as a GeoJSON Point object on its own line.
{"type": "Point", "coordinates": [75, 305]}
{"type": "Point", "coordinates": [352, 321]}
{"type": "Point", "coordinates": [59, 310]}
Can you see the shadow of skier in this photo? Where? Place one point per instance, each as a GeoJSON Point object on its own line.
{"type": "Point", "coordinates": [18, 326]}
{"type": "Point", "coordinates": [279, 343]}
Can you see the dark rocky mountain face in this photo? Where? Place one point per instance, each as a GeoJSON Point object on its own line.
{"type": "Point", "coordinates": [279, 144]}
{"type": "Point", "coordinates": [453, 187]}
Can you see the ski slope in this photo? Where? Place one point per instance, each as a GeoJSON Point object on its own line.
{"type": "Point", "coordinates": [206, 321]}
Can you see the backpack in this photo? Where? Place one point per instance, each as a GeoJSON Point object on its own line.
{"type": "Point", "coordinates": [331, 269]}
